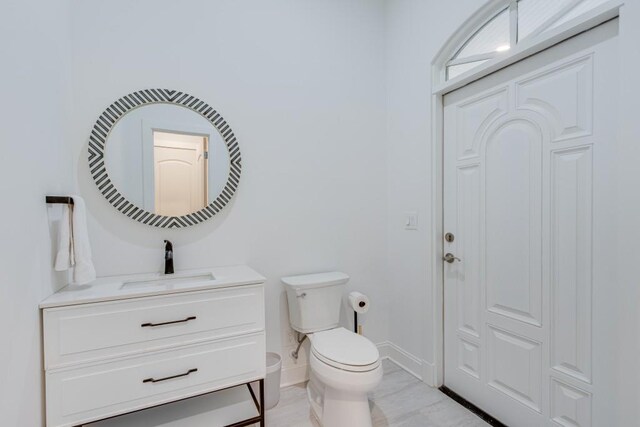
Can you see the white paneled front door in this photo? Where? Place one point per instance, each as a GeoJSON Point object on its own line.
{"type": "Point", "coordinates": [529, 193]}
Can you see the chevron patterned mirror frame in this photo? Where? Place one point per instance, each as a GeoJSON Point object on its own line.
{"type": "Point", "coordinates": [116, 111]}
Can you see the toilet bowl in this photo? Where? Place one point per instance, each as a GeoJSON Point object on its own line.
{"type": "Point", "coordinates": [344, 366]}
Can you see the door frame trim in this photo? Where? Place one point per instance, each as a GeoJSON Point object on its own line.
{"type": "Point", "coordinates": [606, 12]}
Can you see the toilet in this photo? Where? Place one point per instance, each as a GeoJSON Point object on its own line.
{"type": "Point", "coordinates": [344, 366]}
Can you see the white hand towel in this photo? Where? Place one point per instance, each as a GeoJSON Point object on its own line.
{"type": "Point", "coordinates": [64, 255]}
{"type": "Point", "coordinates": [84, 271]}
{"type": "Point", "coordinates": [74, 249]}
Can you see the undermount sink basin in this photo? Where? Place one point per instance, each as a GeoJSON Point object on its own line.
{"type": "Point", "coordinates": [167, 280]}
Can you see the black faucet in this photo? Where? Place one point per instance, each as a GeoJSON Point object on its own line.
{"type": "Point", "coordinates": [168, 257]}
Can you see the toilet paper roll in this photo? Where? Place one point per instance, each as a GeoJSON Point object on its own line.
{"type": "Point", "coordinates": [359, 302]}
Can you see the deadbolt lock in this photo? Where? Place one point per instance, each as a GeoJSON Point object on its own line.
{"type": "Point", "coordinates": [449, 237]}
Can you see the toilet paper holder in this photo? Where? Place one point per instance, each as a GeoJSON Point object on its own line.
{"type": "Point", "coordinates": [360, 304]}
{"type": "Point", "coordinates": [355, 317]}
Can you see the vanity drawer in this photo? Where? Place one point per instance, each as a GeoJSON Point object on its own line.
{"type": "Point", "coordinates": [79, 395]}
{"type": "Point", "coordinates": [93, 332]}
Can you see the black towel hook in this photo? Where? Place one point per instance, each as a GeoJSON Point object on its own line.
{"type": "Point", "coordinates": [63, 200]}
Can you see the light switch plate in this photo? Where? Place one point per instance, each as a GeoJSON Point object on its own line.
{"type": "Point", "coordinates": [411, 220]}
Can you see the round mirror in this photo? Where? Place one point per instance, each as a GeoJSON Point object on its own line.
{"type": "Point", "coordinates": [164, 158]}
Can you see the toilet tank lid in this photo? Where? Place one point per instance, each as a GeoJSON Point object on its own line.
{"type": "Point", "coordinates": [316, 280]}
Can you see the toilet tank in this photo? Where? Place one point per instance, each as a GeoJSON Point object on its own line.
{"type": "Point", "coordinates": [314, 300]}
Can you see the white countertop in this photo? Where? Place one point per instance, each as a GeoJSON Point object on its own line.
{"type": "Point", "coordinates": [121, 287]}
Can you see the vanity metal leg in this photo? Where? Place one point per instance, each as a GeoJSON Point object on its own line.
{"type": "Point", "coordinates": [262, 424]}
{"type": "Point", "coordinates": [259, 402]}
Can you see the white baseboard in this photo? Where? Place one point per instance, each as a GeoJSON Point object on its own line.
{"type": "Point", "coordinates": [419, 368]}
{"type": "Point", "coordinates": [429, 375]}
{"type": "Point", "coordinates": [292, 375]}
{"type": "Point", "coordinates": [404, 359]}
{"type": "Point", "coordinates": [383, 349]}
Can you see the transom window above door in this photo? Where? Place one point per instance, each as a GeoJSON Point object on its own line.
{"type": "Point", "coordinates": [519, 20]}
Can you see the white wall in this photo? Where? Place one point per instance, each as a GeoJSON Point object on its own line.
{"type": "Point", "coordinates": [302, 85]}
{"type": "Point", "coordinates": [35, 160]}
{"type": "Point", "coordinates": [416, 30]}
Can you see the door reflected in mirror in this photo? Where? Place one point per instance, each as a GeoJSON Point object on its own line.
{"type": "Point", "coordinates": [167, 159]}
{"type": "Point", "coordinates": [180, 172]}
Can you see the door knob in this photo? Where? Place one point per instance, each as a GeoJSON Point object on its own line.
{"type": "Point", "coordinates": [449, 257]}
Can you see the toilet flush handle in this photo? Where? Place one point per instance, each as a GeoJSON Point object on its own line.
{"type": "Point", "coordinates": [302, 295]}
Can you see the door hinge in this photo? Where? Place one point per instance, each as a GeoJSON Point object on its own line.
{"type": "Point", "coordinates": [206, 155]}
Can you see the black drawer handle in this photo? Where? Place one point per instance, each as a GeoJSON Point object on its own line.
{"type": "Point", "coordinates": [153, 380]}
{"type": "Point", "coordinates": [145, 325]}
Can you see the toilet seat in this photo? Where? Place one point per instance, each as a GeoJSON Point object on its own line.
{"type": "Point", "coordinates": [345, 350]}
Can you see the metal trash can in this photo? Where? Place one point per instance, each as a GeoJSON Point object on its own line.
{"type": "Point", "coordinates": [272, 381]}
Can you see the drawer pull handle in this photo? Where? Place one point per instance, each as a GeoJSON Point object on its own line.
{"type": "Point", "coordinates": [153, 380]}
{"type": "Point", "coordinates": [145, 325]}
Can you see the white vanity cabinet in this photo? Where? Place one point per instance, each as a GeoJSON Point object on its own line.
{"type": "Point", "coordinates": [111, 349]}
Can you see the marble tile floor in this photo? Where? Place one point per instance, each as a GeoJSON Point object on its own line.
{"type": "Point", "coordinates": [400, 400]}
